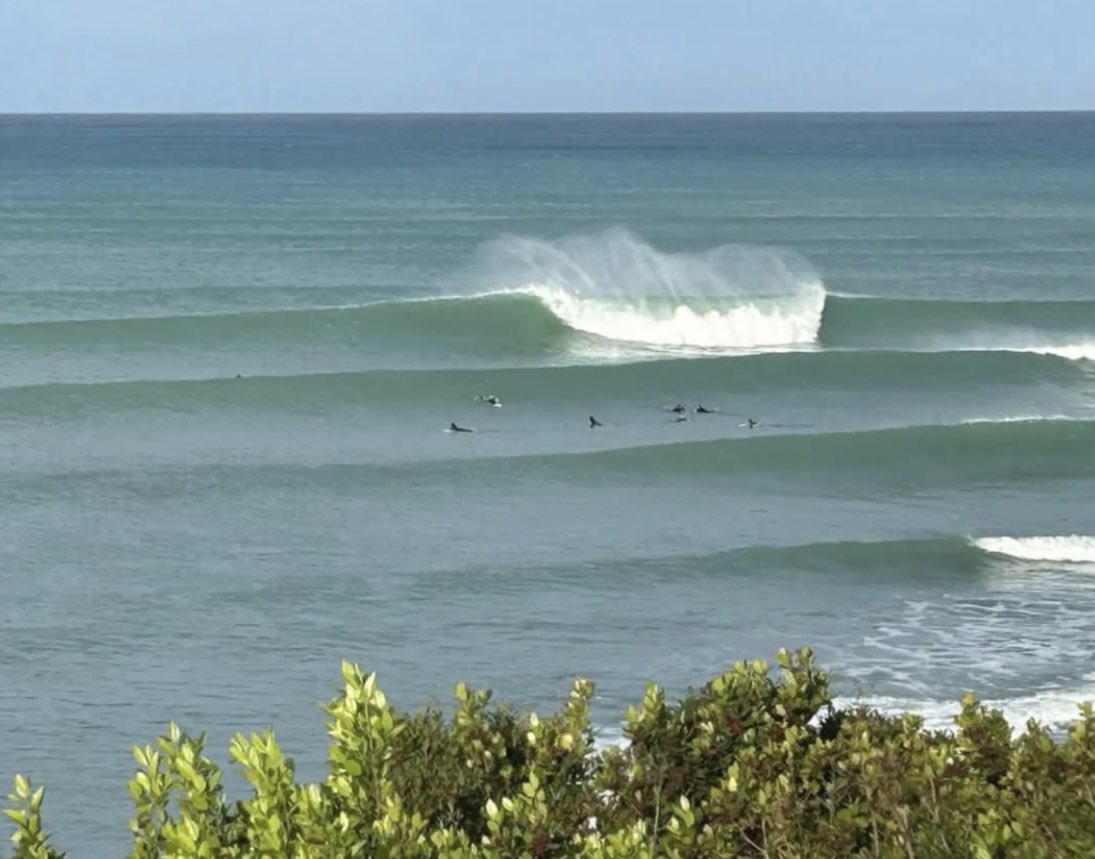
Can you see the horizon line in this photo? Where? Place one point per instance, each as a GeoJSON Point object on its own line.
{"type": "Point", "coordinates": [486, 113]}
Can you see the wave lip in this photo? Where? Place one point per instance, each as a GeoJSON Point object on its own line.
{"type": "Point", "coordinates": [617, 287]}
{"type": "Point", "coordinates": [1071, 351]}
{"type": "Point", "coordinates": [751, 324]}
{"type": "Point", "coordinates": [1016, 419]}
{"type": "Point", "coordinates": [1073, 549]}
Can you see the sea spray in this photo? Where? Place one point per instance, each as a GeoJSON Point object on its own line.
{"type": "Point", "coordinates": [614, 285]}
{"type": "Point", "coordinates": [750, 325]}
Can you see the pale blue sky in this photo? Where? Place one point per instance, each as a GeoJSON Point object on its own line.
{"type": "Point", "coordinates": [545, 55]}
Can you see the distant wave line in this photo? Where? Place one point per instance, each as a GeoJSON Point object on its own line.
{"type": "Point", "coordinates": [544, 319]}
{"type": "Point", "coordinates": [853, 462]}
{"type": "Point", "coordinates": [637, 378]}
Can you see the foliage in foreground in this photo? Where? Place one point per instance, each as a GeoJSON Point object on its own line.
{"type": "Point", "coordinates": [752, 764]}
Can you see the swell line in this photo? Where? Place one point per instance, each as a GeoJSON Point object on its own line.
{"type": "Point", "coordinates": [893, 460]}
{"type": "Point", "coordinates": [651, 382]}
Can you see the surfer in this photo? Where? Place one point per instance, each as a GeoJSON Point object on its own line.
{"type": "Point", "coordinates": [454, 428]}
{"type": "Point", "coordinates": [678, 409]}
{"type": "Point", "coordinates": [490, 401]}
{"type": "Point", "coordinates": [593, 422]}
{"type": "Point", "coordinates": [751, 423]}
{"type": "Point", "coordinates": [702, 410]}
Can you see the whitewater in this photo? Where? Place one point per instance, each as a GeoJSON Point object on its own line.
{"type": "Point", "coordinates": [230, 348]}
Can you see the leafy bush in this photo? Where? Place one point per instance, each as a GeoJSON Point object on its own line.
{"type": "Point", "coordinates": [755, 763]}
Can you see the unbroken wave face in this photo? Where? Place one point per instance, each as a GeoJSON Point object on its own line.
{"type": "Point", "coordinates": [616, 286]}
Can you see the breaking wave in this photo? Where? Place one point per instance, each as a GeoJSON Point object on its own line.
{"type": "Point", "coordinates": [1073, 549]}
{"type": "Point", "coordinates": [1056, 708]}
{"type": "Point", "coordinates": [617, 287]}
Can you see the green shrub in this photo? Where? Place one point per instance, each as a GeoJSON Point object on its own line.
{"type": "Point", "coordinates": [755, 763]}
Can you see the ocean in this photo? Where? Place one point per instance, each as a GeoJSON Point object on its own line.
{"type": "Point", "coordinates": [231, 346]}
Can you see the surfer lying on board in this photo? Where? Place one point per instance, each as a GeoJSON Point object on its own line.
{"type": "Point", "coordinates": [454, 428]}
{"type": "Point", "coordinates": [701, 409]}
{"type": "Point", "coordinates": [678, 409]}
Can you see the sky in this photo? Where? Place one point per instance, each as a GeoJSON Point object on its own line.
{"type": "Point", "coordinates": [364, 56]}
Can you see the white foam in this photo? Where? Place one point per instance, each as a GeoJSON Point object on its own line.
{"type": "Point", "coordinates": [606, 736]}
{"type": "Point", "coordinates": [1069, 549]}
{"type": "Point", "coordinates": [1080, 351]}
{"type": "Point", "coordinates": [748, 325]}
{"type": "Point", "coordinates": [614, 285]}
{"type": "Point", "coordinates": [1054, 708]}
{"type": "Point", "coordinates": [1071, 351]}
{"type": "Point", "coordinates": [1016, 419]}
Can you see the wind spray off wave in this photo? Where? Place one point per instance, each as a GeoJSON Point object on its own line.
{"type": "Point", "coordinates": [616, 286]}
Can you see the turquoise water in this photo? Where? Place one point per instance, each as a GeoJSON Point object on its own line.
{"type": "Point", "coordinates": [230, 347]}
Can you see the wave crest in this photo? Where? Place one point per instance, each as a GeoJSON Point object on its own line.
{"type": "Point", "coordinates": [751, 325]}
{"type": "Point", "coordinates": [616, 286]}
{"type": "Point", "coordinates": [1072, 351]}
{"type": "Point", "coordinates": [1071, 549]}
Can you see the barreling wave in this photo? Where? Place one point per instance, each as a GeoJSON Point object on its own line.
{"type": "Point", "coordinates": [538, 324]}
{"type": "Point", "coordinates": [587, 298]}
{"type": "Point", "coordinates": [528, 297]}
{"type": "Point", "coordinates": [550, 323]}
{"type": "Point", "coordinates": [616, 286]}
{"type": "Point", "coordinates": [750, 324]}
{"type": "Point", "coordinates": [1074, 549]}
